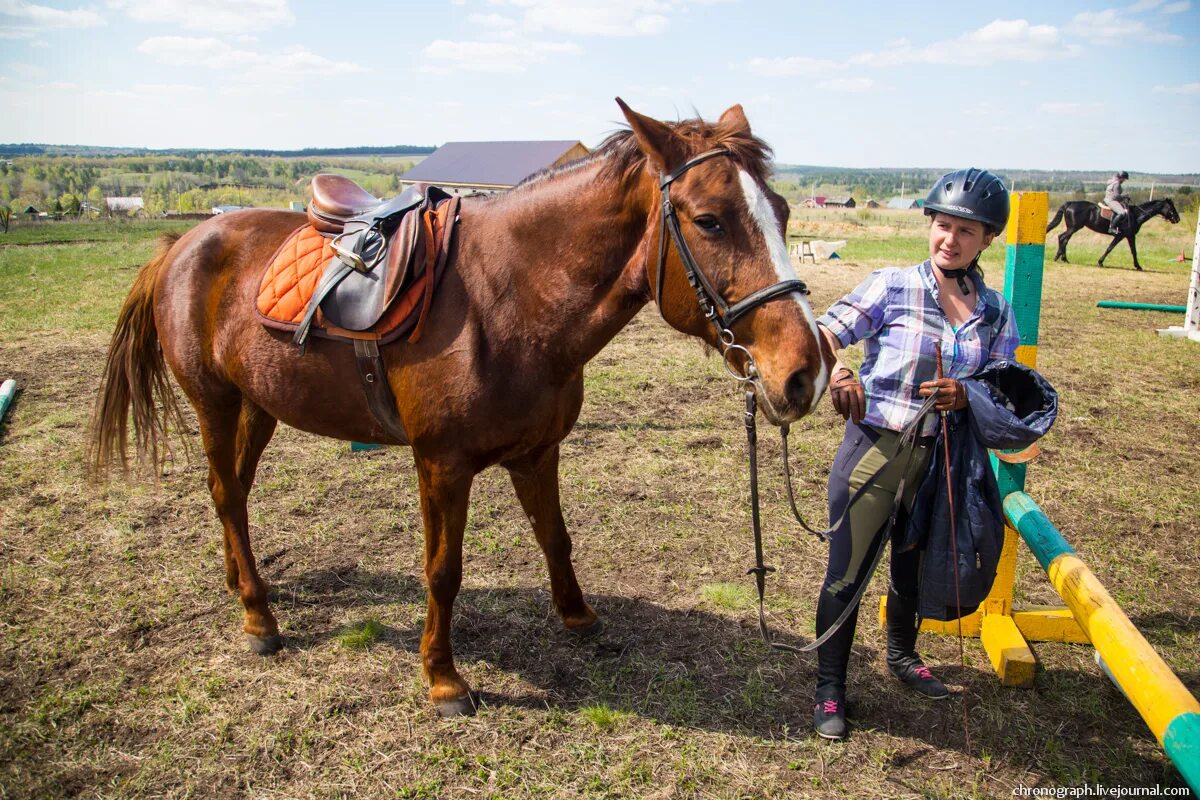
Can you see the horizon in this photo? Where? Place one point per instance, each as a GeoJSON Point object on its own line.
{"type": "Point", "coordinates": [949, 85]}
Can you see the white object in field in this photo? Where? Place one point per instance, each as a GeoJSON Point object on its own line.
{"type": "Point", "coordinates": [1191, 316]}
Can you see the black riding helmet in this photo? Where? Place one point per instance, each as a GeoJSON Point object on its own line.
{"type": "Point", "coordinates": [974, 194]}
{"type": "Point", "coordinates": [970, 194]}
{"type": "Point", "coordinates": [1123, 175]}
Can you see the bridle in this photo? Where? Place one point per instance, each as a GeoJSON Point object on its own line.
{"type": "Point", "coordinates": [720, 314]}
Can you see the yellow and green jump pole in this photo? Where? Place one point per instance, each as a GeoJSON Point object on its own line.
{"type": "Point", "coordinates": [1091, 614]}
{"type": "Point", "coordinates": [1167, 706]}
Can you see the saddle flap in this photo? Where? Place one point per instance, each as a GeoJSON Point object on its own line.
{"type": "Point", "coordinates": [360, 299]}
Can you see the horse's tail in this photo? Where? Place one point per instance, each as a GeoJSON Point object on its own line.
{"type": "Point", "coordinates": [1057, 218]}
{"type": "Point", "coordinates": [135, 375]}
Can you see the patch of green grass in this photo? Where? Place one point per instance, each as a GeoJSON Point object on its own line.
{"type": "Point", "coordinates": [729, 596]}
{"type": "Point", "coordinates": [361, 635]}
{"type": "Point", "coordinates": [602, 715]}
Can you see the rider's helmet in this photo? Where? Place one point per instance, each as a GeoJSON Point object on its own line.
{"type": "Point", "coordinates": [1123, 175]}
{"type": "Point", "coordinates": [970, 194]}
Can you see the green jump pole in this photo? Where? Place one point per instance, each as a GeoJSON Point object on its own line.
{"type": "Point", "coordinates": [1141, 306]}
{"type": "Point", "coordinates": [8, 390]}
{"type": "Point", "coordinates": [1166, 705]}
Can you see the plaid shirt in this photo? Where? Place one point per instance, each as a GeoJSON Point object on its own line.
{"type": "Point", "coordinates": [895, 313]}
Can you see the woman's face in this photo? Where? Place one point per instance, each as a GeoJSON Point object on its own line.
{"type": "Point", "coordinates": [954, 242]}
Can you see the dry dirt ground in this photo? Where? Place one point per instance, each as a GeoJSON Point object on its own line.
{"type": "Point", "coordinates": [123, 672]}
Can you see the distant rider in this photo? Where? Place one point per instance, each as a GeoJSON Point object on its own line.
{"type": "Point", "coordinates": [1115, 199]}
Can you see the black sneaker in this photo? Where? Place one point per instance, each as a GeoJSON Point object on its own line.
{"type": "Point", "coordinates": [829, 718]}
{"type": "Point", "coordinates": [922, 680]}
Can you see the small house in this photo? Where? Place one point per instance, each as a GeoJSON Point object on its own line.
{"type": "Point", "coordinates": [904, 203]}
{"type": "Point", "coordinates": [124, 205]}
{"type": "Point", "coordinates": [841, 201]}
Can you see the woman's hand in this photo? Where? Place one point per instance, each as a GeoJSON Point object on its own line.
{"type": "Point", "coordinates": [846, 394]}
{"type": "Point", "coordinates": [951, 394]}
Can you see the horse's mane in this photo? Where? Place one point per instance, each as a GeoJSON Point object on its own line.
{"type": "Point", "coordinates": [623, 159]}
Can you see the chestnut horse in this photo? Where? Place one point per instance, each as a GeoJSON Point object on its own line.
{"type": "Point", "coordinates": [539, 280]}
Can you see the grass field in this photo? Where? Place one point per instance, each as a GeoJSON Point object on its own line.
{"type": "Point", "coordinates": [122, 667]}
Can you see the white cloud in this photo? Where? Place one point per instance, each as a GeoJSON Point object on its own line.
{"type": "Point", "coordinates": [1109, 26]}
{"type": "Point", "coordinates": [40, 17]}
{"type": "Point", "coordinates": [495, 21]}
{"type": "Point", "coordinates": [220, 16]}
{"type": "Point", "coordinates": [1144, 5]}
{"type": "Point", "coordinates": [1186, 88]}
{"type": "Point", "coordinates": [443, 55]}
{"type": "Point", "coordinates": [791, 65]}
{"type": "Point", "coordinates": [1068, 107]}
{"type": "Point", "coordinates": [1175, 8]}
{"type": "Point", "coordinates": [599, 17]}
{"type": "Point", "coordinates": [847, 84]}
{"type": "Point", "coordinates": [186, 51]}
{"type": "Point", "coordinates": [61, 86]}
{"type": "Point", "coordinates": [1000, 40]}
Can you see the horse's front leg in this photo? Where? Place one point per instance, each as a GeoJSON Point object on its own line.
{"type": "Point", "coordinates": [1111, 245]}
{"type": "Point", "coordinates": [1133, 251]}
{"type": "Point", "coordinates": [536, 480]}
{"type": "Point", "coordinates": [445, 493]}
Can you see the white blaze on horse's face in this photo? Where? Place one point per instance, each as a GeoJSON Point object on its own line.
{"type": "Point", "coordinates": [770, 227]}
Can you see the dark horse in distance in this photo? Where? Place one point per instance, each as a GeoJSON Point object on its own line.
{"type": "Point", "coordinates": [537, 282]}
{"type": "Point", "coordinates": [1086, 214]}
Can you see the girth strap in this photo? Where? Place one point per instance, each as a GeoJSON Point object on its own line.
{"type": "Point", "coordinates": [378, 391]}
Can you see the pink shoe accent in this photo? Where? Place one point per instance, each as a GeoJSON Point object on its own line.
{"type": "Point", "coordinates": [830, 707]}
{"type": "Point", "coordinates": [923, 673]}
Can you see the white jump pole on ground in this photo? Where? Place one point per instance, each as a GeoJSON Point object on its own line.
{"type": "Point", "coordinates": [1191, 317]}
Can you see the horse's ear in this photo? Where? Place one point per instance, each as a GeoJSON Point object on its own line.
{"type": "Point", "coordinates": [656, 139]}
{"type": "Point", "coordinates": [733, 122]}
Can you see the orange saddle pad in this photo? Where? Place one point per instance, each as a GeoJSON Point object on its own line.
{"type": "Point", "coordinates": [292, 275]}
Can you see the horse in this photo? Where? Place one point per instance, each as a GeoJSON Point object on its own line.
{"type": "Point", "coordinates": [1086, 214]}
{"type": "Point", "coordinates": [538, 281]}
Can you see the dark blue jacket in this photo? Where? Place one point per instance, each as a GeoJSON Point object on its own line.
{"type": "Point", "coordinates": [1009, 406]}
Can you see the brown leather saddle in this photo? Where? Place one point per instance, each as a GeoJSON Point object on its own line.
{"type": "Point", "coordinates": [369, 270]}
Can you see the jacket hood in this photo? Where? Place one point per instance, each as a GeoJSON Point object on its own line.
{"type": "Point", "coordinates": [1010, 405]}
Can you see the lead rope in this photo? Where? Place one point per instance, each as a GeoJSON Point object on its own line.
{"type": "Point", "coordinates": [760, 569]}
{"type": "Point", "coordinates": [962, 656]}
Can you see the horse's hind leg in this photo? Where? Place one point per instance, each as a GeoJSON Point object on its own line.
{"type": "Point", "coordinates": [536, 482]}
{"type": "Point", "coordinates": [223, 424]}
{"type": "Point", "coordinates": [255, 429]}
{"type": "Point", "coordinates": [1063, 238]}
{"type": "Point", "coordinates": [1113, 244]}
{"type": "Point", "coordinates": [445, 493]}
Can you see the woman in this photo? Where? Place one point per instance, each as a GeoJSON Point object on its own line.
{"type": "Point", "coordinates": [901, 315]}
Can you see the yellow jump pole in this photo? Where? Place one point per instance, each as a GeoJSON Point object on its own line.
{"type": "Point", "coordinates": [1167, 706]}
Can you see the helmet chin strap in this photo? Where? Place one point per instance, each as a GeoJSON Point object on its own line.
{"type": "Point", "coordinates": [960, 275]}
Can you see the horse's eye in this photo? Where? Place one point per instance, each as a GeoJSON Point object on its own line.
{"type": "Point", "coordinates": [709, 224]}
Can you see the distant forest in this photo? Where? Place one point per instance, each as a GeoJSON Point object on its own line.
{"type": "Point", "coordinates": [9, 150]}
{"type": "Point", "coordinates": [797, 182]}
{"type": "Point", "coordinates": [75, 180]}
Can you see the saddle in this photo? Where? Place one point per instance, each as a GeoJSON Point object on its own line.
{"type": "Point", "coordinates": [362, 271]}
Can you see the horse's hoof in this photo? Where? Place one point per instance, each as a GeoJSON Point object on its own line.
{"type": "Point", "coordinates": [589, 631]}
{"type": "Point", "coordinates": [264, 645]}
{"type": "Point", "coordinates": [458, 707]}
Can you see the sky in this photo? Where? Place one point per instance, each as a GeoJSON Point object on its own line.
{"type": "Point", "coordinates": [1025, 85]}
